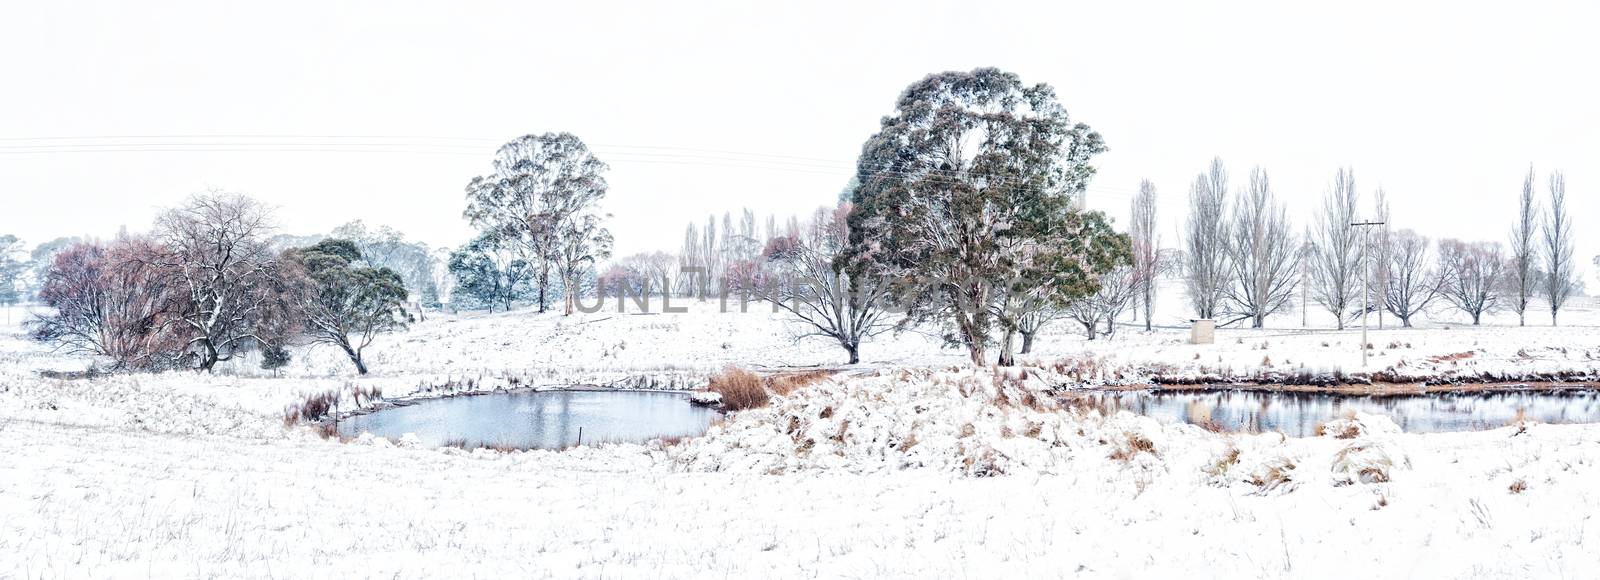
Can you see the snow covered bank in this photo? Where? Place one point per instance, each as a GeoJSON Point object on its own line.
{"type": "Point", "coordinates": [81, 502]}
{"type": "Point", "coordinates": [910, 465]}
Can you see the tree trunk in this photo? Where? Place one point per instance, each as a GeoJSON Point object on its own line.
{"type": "Point", "coordinates": [1027, 342]}
{"type": "Point", "coordinates": [567, 294]}
{"type": "Point", "coordinates": [355, 357]}
{"type": "Point", "coordinates": [208, 357]}
{"type": "Point", "coordinates": [855, 352]}
{"type": "Point", "coordinates": [971, 326]}
{"type": "Point", "coordinates": [1148, 310]}
{"type": "Point", "coordinates": [1006, 342]}
{"type": "Point", "coordinates": [544, 282]}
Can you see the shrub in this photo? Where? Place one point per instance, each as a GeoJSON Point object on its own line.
{"type": "Point", "coordinates": [740, 389]}
{"type": "Point", "coordinates": [312, 407]}
{"type": "Point", "coordinates": [274, 358]}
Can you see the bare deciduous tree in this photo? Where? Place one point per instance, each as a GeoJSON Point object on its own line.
{"type": "Point", "coordinates": [1412, 283]}
{"type": "Point", "coordinates": [1117, 289]}
{"type": "Point", "coordinates": [1523, 252]}
{"type": "Point", "coordinates": [110, 301]}
{"type": "Point", "coordinates": [1380, 246]}
{"type": "Point", "coordinates": [1471, 276]}
{"type": "Point", "coordinates": [812, 285]}
{"type": "Point", "coordinates": [215, 250]}
{"type": "Point", "coordinates": [1262, 253]}
{"type": "Point", "coordinates": [1206, 241]}
{"type": "Point", "coordinates": [1335, 257]}
{"type": "Point", "coordinates": [640, 275]}
{"type": "Point", "coordinates": [1146, 248]}
{"type": "Point", "coordinates": [1559, 279]}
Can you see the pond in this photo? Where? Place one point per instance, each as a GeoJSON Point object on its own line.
{"type": "Point", "coordinates": [538, 420]}
{"type": "Point", "coordinates": [1299, 414]}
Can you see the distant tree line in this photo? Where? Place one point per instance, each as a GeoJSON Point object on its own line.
{"type": "Point", "coordinates": [1242, 262]}
{"type": "Point", "coordinates": [205, 286]}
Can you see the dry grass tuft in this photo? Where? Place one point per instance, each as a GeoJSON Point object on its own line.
{"type": "Point", "coordinates": [1219, 468]}
{"type": "Point", "coordinates": [1519, 486]}
{"type": "Point", "coordinates": [1134, 445]}
{"type": "Point", "coordinates": [907, 443]}
{"type": "Point", "coordinates": [1346, 428]}
{"type": "Point", "coordinates": [786, 383]}
{"type": "Point", "coordinates": [1274, 475]}
{"type": "Point", "coordinates": [312, 407]}
{"type": "Point", "coordinates": [742, 389]}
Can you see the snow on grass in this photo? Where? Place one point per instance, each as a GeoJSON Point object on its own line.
{"type": "Point", "coordinates": [912, 464]}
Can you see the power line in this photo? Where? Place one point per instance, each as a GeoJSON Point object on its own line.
{"type": "Point", "coordinates": [460, 146]}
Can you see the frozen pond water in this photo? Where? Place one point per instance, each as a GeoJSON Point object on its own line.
{"type": "Point", "coordinates": [1299, 414]}
{"type": "Point", "coordinates": [543, 420]}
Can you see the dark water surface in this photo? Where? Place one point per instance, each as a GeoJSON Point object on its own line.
{"type": "Point", "coordinates": [542, 420]}
{"type": "Point", "coordinates": [1299, 414]}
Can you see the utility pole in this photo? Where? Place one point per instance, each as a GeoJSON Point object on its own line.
{"type": "Point", "coordinates": [1366, 290]}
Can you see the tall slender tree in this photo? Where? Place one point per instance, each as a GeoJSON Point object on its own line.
{"type": "Point", "coordinates": [1335, 258]}
{"type": "Point", "coordinates": [1560, 280]}
{"type": "Point", "coordinates": [1146, 248]}
{"type": "Point", "coordinates": [1524, 253]}
{"type": "Point", "coordinates": [1380, 246]}
{"type": "Point", "coordinates": [1206, 242]}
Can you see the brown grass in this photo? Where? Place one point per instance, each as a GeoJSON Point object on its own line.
{"type": "Point", "coordinates": [783, 384]}
{"type": "Point", "coordinates": [1136, 444]}
{"type": "Point", "coordinates": [907, 443]}
{"type": "Point", "coordinates": [1450, 357]}
{"type": "Point", "coordinates": [1519, 486]}
{"type": "Point", "coordinates": [1219, 468]}
{"type": "Point", "coordinates": [312, 407]}
{"type": "Point", "coordinates": [1279, 474]}
{"type": "Point", "coordinates": [742, 389]}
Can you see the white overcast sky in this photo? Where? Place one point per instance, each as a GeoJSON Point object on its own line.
{"type": "Point", "coordinates": [708, 107]}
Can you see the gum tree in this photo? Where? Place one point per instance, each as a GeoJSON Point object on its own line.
{"type": "Point", "coordinates": [543, 191]}
{"type": "Point", "coordinates": [347, 305]}
{"type": "Point", "coordinates": [965, 188]}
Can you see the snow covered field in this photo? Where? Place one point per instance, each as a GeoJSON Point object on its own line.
{"type": "Point", "coordinates": [909, 465]}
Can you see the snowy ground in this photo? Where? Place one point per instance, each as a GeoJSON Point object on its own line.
{"type": "Point", "coordinates": [911, 465]}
